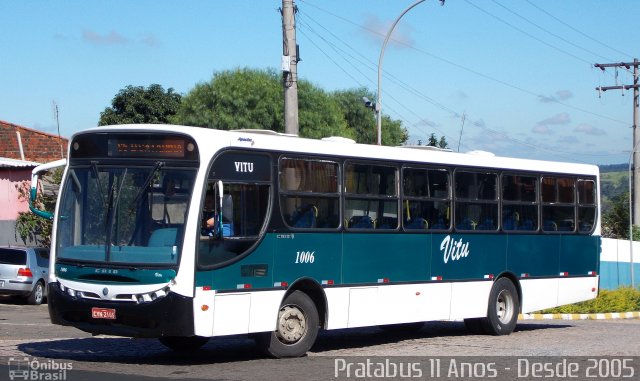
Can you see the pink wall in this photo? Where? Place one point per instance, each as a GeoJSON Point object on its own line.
{"type": "Point", "coordinates": [9, 203]}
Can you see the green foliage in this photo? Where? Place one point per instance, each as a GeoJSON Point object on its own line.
{"type": "Point", "coordinates": [30, 227]}
{"type": "Point", "coordinates": [249, 98]}
{"type": "Point", "coordinates": [434, 142]}
{"type": "Point", "coordinates": [624, 299]}
{"type": "Point", "coordinates": [235, 99]}
{"type": "Point", "coordinates": [615, 221]}
{"type": "Point", "coordinates": [135, 104]}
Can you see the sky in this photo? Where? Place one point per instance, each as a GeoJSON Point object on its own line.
{"type": "Point", "coordinates": [512, 77]}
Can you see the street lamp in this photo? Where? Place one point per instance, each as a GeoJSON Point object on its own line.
{"type": "Point", "coordinates": [384, 45]}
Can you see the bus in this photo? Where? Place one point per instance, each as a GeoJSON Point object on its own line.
{"type": "Point", "coordinates": [185, 233]}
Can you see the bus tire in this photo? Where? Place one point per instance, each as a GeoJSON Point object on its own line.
{"type": "Point", "coordinates": [502, 312]}
{"type": "Point", "coordinates": [474, 325]}
{"type": "Point", "coordinates": [183, 344]}
{"type": "Point", "coordinates": [297, 328]}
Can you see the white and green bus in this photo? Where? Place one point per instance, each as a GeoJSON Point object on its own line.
{"type": "Point", "coordinates": [184, 233]}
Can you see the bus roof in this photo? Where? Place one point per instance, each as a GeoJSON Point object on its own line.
{"type": "Point", "coordinates": [273, 141]}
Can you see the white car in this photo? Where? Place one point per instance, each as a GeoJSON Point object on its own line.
{"type": "Point", "coordinates": [24, 272]}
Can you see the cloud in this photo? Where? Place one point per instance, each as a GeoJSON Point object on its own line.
{"type": "Point", "coordinates": [543, 126]}
{"type": "Point", "coordinates": [589, 130]}
{"type": "Point", "coordinates": [113, 38]}
{"type": "Point", "coordinates": [543, 130]}
{"type": "Point", "coordinates": [378, 29]}
{"type": "Point", "coordinates": [150, 40]}
{"type": "Point", "coordinates": [568, 139]}
{"type": "Point", "coordinates": [561, 95]}
{"type": "Point", "coordinates": [479, 123]}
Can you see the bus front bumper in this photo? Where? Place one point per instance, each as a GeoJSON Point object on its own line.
{"type": "Point", "coordinates": [171, 315]}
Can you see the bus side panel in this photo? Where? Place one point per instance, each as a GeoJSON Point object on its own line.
{"type": "Point", "coordinates": [467, 256]}
{"type": "Point", "coordinates": [538, 294]}
{"type": "Point", "coordinates": [203, 312]}
{"type": "Point", "coordinates": [314, 255]}
{"type": "Point", "coordinates": [573, 290]}
{"type": "Point", "coordinates": [470, 299]}
{"type": "Point", "coordinates": [579, 254]}
{"type": "Point", "coordinates": [535, 255]}
{"type": "Point", "coordinates": [372, 258]}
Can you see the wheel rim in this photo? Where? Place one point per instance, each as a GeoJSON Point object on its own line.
{"type": "Point", "coordinates": [505, 306]}
{"type": "Point", "coordinates": [292, 324]}
{"type": "Point", "coordinates": [39, 293]}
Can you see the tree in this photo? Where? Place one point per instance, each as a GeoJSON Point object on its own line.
{"type": "Point", "coordinates": [29, 226]}
{"type": "Point", "coordinates": [235, 99]}
{"type": "Point", "coordinates": [362, 119]}
{"type": "Point", "coordinates": [434, 142]}
{"type": "Point", "coordinates": [615, 221]}
{"type": "Point", "coordinates": [135, 104]}
{"type": "Point", "coordinates": [250, 98]}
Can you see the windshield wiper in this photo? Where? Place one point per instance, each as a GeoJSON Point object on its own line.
{"type": "Point", "coordinates": [113, 205]}
{"type": "Point", "coordinates": [147, 181]}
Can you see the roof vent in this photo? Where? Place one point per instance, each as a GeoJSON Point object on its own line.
{"type": "Point", "coordinates": [338, 139]}
{"type": "Point", "coordinates": [426, 148]}
{"type": "Point", "coordinates": [481, 153]}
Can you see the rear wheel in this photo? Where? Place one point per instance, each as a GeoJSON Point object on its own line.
{"type": "Point", "coordinates": [183, 344]}
{"type": "Point", "coordinates": [474, 325]}
{"type": "Point", "coordinates": [297, 328]}
{"type": "Point", "coordinates": [37, 294]}
{"type": "Point", "coordinates": [502, 312]}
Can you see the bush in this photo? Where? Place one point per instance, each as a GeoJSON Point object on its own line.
{"type": "Point", "coordinates": [623, 299]}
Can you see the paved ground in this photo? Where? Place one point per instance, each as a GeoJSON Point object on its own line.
{"type": "Point", "coordinates": [26, 331]}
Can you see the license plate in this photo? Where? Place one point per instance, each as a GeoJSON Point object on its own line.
{"type": "Point", "coordinates": [103, 313]}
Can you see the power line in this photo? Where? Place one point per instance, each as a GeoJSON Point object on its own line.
{"type": "Point", "coordinates": [547, 31]}
{"type": "Point", "coordinates": [576, 30]}
{"type": "Point", "coordinates": [443, 107]}
{"type": "Point", "coordinates": [527, 33]}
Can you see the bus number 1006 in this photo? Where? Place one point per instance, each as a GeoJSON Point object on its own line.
{"type": "Point", "coordinates": [305, 256]}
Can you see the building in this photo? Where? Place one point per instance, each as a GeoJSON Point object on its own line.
{"type": "Point", "coordinates": [21, 149]}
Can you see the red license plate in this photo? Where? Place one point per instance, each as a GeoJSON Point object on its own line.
{"type": "Point", "coordinates": [103, 313]}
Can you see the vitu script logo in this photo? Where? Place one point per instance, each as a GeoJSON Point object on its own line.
{"type": "Point", "coordinates": [243, 166]}
{"type": "Point", "coordinates": [454, 250]}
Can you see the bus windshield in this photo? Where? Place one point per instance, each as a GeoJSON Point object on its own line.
{"type": "Point", "coordinates": [123, 215]}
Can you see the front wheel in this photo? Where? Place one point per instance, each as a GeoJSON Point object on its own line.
{"type": "Point", "coordinates": [297, 328]}
{"type": "Point", "coordinates": [502, 312]}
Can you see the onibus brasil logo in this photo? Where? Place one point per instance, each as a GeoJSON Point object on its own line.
{"type": "Point", "coordinates": [32, 369]}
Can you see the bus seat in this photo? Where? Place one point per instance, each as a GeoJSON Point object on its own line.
{"type": "Point", "coordinates": [361, 222]}
{"type": "Point", "coordinates": [418, 223]}
{"type": "Point", "coordinates": [163, 237]}
{"type": "Point", "coordinates": [305, 217]}
{"type": "Point", "coordinates": [487, 225]}
{"type": "Point", "coordinates": [439, 225]}
{"type": "Point", "coordinates": [526, 225]}
{"type": "Point", "coordinates": [550, 225]}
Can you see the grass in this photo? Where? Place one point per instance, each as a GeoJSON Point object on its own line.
{"type": "Point", "coordinates": [624, 299]}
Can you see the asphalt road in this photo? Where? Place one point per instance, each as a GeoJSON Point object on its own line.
{"type": "Point", "coordinates": [26, 334]}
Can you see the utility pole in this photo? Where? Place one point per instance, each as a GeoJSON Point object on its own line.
{"type": "Point", "coordinates": [636, 133]}
{"type": "Point", "coordinates": [290, 67]}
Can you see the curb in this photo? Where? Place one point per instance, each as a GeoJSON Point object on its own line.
{"type": "Point", "coordinates": [601, 316]}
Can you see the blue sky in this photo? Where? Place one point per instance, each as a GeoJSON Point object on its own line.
{"type": "Point", "coordinates": [518, 70]}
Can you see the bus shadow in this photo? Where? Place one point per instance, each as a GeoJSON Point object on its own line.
{"type": "Point", "coordinates": [238, 348]}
